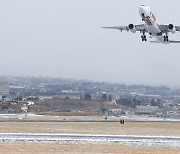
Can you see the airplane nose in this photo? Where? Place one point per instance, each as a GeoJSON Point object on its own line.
{"type": "Point", "coordinates": [142, 8]}
{"type": "Point", "coordinates": [141, 11]}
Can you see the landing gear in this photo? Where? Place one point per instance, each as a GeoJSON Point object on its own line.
{"type": "Point", "coordinates": [144, 38]}
{"type": "Point", "coordinates": [166, 38]}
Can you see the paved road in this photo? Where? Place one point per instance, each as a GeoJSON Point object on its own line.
{"type": "Point", "coordinates": [88, 138]}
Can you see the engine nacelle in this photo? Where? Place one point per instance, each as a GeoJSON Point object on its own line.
{"type": "Point", "coordinates": [132, 28]}
{"type": "Point", "coordinates": [172, 28]}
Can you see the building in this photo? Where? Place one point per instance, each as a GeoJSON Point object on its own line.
{"type": "Point", "coordinates": [115, 112]}
{"type": "Point", "coordinates": [4, 88]}
{"type": "Point", "coordinates": [149, 110]}
{"type": "Point", "coordinates": [103, 97]}
{"type": "Point", "coordinates": [68, 97]}
{"type": "Point", "coordinates": [96, 97]}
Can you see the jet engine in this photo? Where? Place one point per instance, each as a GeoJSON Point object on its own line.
{"type": "Point", "coordinates": [132, 28]}
{"type": "Point", "coordinates": [172, 28]}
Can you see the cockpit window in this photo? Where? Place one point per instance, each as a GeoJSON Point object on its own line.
{"type": "Point", "coordinates": [143, 5]}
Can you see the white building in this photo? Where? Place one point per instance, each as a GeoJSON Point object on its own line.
{"type": "Point", "coordinates": [146, 109]}
{"type": "Point", "coordinates": [96, 97]}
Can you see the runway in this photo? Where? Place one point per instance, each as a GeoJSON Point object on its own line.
{"type": "Point", "coordinates": [30, 117]}
{"type": "Point", "coordinates": [89, 138]}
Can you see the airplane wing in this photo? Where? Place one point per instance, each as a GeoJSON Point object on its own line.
{"type": "Point", "coordinates": [165, 28]}
{"type": "Point", "coordinates": [140, 28]}
{"type": "Point", "coordinates": [170, 41]}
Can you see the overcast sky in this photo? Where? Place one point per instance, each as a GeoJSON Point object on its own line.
{"type": "Point", "coordinates": [63, 38]}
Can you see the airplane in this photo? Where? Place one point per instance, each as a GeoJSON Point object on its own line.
{"type": "Point", "coordinates": [151, 26]}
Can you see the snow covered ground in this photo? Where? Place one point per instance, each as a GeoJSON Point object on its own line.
{"type": "Point", "coordinates": [84, 138]}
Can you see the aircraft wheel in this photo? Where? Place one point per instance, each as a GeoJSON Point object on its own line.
{"type": "Point", "coordinates": [144, 39]}
{"type": "Point", "coordinates": [166, 39]}
{"type": "Point", "coordinates": [143, 36]}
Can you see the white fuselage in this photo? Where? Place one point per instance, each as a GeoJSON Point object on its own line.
{"type": "Point", "coordinates": [151, 23]}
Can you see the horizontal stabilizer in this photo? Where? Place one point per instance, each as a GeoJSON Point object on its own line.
{"type": "Point", "coordinates": [174, 41]}
{"type": "Point", "coordinates": [154, 42]}
{"type": "Point", "coordinates": [169, 41]}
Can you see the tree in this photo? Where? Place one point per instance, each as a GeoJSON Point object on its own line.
{"type": "Point", "coordinates": [110, 97]}
{"type": "Point", "coordinates": [104, 97]}
{"type": "Point", "coordinates": [87, 97]}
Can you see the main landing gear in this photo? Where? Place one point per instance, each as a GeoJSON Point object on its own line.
{"type": "Point", "coordinates": [144, 38]}
{"type": "Point", "coordinates": [166, 38]}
